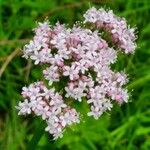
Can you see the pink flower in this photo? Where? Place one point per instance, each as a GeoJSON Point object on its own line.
{"type": "Point", "coordinates": [121, 33]}
{"type": "Point", "coordinates": [72, 72]}
{"type": "Point", "coordinates": [24, 108]}
{"type": "Point", "coordinates": [77, 65]}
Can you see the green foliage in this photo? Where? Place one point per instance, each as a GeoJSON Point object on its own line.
{"type": "Point", "coordinates": [124, 128]}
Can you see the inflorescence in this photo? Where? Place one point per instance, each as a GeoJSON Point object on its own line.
{"type": "Point", "coordinates": [83, 58]}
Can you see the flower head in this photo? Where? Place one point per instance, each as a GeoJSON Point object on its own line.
{"type": "Point", "coordinates": [77, 64]}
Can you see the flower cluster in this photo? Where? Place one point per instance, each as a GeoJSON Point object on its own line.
{"type": "Point", "coordinates": [121, 33]}
{"type": "Point", "coordinates": [81, 58]}
{"type": "Point", "coordinates": [49, 105]}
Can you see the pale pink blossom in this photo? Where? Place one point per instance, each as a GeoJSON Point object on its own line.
{"type": "Point", "coordinates": [77, 65]}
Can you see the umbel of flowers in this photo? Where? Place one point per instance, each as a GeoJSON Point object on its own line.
{"type": "Point", "coordinates": [83, 58]}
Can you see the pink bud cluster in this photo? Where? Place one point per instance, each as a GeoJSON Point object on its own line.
{"type": "Point", "coordinates": [83, 58]}
{"type": "Point", "coordinates": [121, 33]}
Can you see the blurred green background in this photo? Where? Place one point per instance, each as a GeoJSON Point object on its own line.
{"type": "Point", "coordinates": [124, 128]}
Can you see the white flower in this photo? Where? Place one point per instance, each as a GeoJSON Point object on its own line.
{"type": "Point", "coordinates": [31, 92]}
{"type": "Point", "coordinates": [24, 108]}
{"type": "Point", "coordinates": [69, 117]}
{"type": "Point", "coordinates": [41, 56]}
{"type": "Point", "coordinates": [72, 71]}
{"type": "Point", "coordinates": [48, 93]}
{"type": "Point", "coordinates": [57, 102]}
{"type": "Point", "coordinates": [51, 74]}
{"type": "Point", "coordinates": [91, 15]}
{"type": "Point", "coordinates": [76, 92]}
{"type": "Point", "coordinates": [95, 112]}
